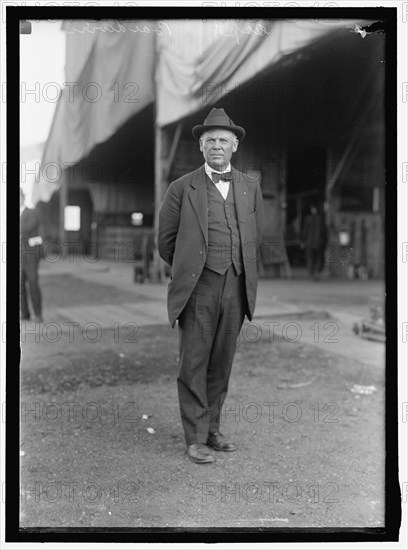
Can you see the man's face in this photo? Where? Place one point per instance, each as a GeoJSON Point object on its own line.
{"type": "Point", "coordinates": [217, 147]}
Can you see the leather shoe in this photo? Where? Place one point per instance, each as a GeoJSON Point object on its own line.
{"type": "Point", "coordinates": [219, 443]}
{"type": "Point", "coordinates": [199, 453]}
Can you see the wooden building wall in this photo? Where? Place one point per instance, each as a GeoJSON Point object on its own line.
{"type": "Point", "coordinates": [106, 209]}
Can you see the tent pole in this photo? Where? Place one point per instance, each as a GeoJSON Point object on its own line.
{"type": "Point", "coordinates": [163, 161]}
{"type": "Point", "coordinates": [158, 268]}
{"type": "Point", "coordinates": [174, 144]}
{"type": "Point", "coordinates": [158, 265]}
{"type": "Point", "coordinates": [63, 200]}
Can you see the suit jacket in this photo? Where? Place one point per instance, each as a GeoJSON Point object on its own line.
{"type": "Point", "coordinates": [29, 227]}
{"type": "Point", "coordinates": [183, 234]}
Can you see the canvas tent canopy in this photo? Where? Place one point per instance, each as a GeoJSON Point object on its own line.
{"type": "Point", "coordinates": [114, 69]}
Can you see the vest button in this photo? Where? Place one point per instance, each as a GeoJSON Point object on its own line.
{"type": "Point", "coordinates": [201, 252]}
{"type": "Point", "coordinates": [193, 275]}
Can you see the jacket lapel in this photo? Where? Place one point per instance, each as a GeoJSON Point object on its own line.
{"type": "Point", "coordinates": [241, 201]}
{"type": "Point", "coordinates": [198, 198]}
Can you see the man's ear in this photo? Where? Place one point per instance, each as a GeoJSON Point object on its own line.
{"type": "Point", "coordinates": [201, 144]}
{"type": "Point", "coordinates": [235, 145]}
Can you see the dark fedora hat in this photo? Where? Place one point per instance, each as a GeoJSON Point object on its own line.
{"type": "Point", "coordinates": [218, 118]}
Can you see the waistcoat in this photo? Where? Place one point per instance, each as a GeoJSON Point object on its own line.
{"type": "Point", "coordinates": [224, 245]}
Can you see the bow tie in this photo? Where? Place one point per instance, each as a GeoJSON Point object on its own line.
{"type": "Point", "coordinates": [216, 177]}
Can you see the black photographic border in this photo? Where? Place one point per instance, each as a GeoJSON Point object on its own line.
{"type": "Point", "coordinates": [13, 533]}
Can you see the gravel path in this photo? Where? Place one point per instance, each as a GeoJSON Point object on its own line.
{"type": "Point", "coordinates": [310, 450]}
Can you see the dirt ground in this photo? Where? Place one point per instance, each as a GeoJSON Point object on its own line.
{"type": "Point", "coordinates": [102, 443]}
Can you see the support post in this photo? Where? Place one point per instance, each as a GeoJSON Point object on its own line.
{"type": "Point", "coordinates": [163, 160]}
{"type": "Point", "coordinates": [63, 201]}
{"type": "Point", "coordinates": [172, 154]}
{"type": "Point", "coordinates": [158, 265]}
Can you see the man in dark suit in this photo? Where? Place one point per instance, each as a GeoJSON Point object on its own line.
{"type": "Point", "coordinates": [314, 240]}
{"type": "Point", "coordinates": [210, 229]}
{"type": "Point", "coordinates": [30, 255]}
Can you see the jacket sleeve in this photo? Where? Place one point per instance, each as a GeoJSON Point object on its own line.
{"type": "Point", "coordinates": [30, 223]}
{"type": "Point", "coordinates": [169, 220]}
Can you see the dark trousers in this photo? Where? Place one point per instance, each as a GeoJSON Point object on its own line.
{"type": "Point", "coordinates": [208, 329]}
{"type": "Point", "coordinates": [29, 274]}
{"type": "Point", "coordinates": [314, 259]}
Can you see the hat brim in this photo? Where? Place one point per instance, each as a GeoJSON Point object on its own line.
{"type": "Point", "coordinates": [198, 130]}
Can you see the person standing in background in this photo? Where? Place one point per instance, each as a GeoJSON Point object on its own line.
{"type": "Point", "coordinates": [314, 240]}
{"type": "Point", "coordinates": [30, 255]}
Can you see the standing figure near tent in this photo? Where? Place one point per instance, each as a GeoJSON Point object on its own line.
{"type": "Point", "coordinates": [314, 240]}
{"type": "Point", "coordinates": [30, 255]}
{"type": "Point", "coordinates": [210, 229]}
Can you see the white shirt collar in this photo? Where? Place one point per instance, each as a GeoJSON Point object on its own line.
{"type": "Point", "coordinates": [208, 169]}
{"type": "Point", "coordinates": [22, 208]}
